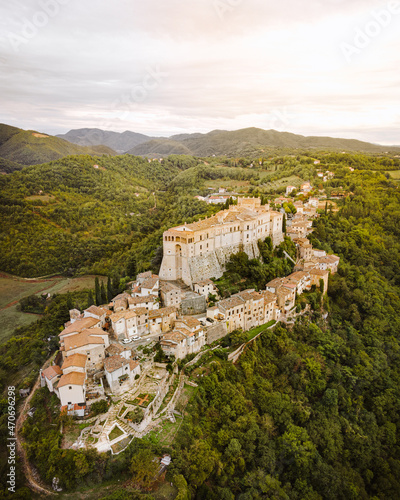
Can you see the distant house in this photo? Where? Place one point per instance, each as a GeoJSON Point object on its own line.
{"type": "Point", "coordinates": [96, 313]}
{"type": "Point", "coordinates": [205, 287]}
{"type": "Point", "coordinates": [149, 302]}
{"type": "Point", "coordinates": [306, 187]}
{"type": "Point", "coordinates": [290, 189]}
{"type": "Point", "coordinates": [130, 322]}
{"type": "Point", "coordinates": [162, 320]}
{"type": "Point", "coordinates": [171, 295]}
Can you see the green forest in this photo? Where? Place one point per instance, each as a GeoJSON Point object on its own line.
{"type": "Point", "coordinates": [308, 412]}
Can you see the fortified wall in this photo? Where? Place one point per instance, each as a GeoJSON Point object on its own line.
{"type": "Point", "coordinates": [200, 250]}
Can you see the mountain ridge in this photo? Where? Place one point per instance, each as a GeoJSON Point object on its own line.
{"type": "Point", "coordinates": [118, 141]}
{"type": "Point", "coordinates": [217, 142]}
{"type": "Point", "coordinates": [20, 147]}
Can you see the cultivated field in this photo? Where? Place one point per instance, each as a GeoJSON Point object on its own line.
{"type": "Point", "coordinates": [12, 289]}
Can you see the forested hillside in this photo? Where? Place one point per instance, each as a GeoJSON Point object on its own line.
{"type": "Point", "coordinates": [311, 411]}
{"type": "Point", "coordinates": [247, 141]}
{"type": "Point", "coordinates": [28, 147]}
{"type": "Point", "coordinates": [66, 216]}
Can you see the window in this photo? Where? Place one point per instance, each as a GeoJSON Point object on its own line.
{"type": "Point", "coordinates": [99, 355]}
{"type": "Point", "coordinates": [70, 387]}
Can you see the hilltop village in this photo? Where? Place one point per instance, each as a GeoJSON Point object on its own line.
{"type": "Point", "coordinates": [95, 358]}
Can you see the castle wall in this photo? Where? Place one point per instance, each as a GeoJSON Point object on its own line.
{"type": "Point", "coordinates": [197, 251]}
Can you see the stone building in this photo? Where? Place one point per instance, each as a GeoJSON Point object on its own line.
{"type": "Point", "coordinates": [197, 251]}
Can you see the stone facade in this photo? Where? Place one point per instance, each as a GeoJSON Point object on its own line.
{"type": "Point", "coordinates": [197, 251]}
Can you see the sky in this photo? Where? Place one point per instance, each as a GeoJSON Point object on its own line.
{"type": "Point", "coordinates": [164, 67]}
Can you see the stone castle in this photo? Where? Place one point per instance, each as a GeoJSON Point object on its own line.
{"type": "Point", "coordinates": [196, 251]}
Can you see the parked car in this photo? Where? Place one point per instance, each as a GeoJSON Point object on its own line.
{"type": "Point", "coordinates": [136, 337]}
{"type": "Point", "coordinates": [127, 341]}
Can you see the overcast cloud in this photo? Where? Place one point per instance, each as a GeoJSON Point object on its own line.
{"type": "Point", "coordinates": [160, 67]}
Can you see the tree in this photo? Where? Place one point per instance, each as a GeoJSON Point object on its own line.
{"type": "Point", "coordinates": [183, 490]}
{"type": "Point", "coordinates": [103, 293]}
{"type": "Point", "coordinates": [70, 303]}
{"type": "Point", "coordinates": [143, 468]}
{"type": "Point", "coordinates": [97, 291]}
{"type": "Point", "coordinates": [110, 294]}
{"type": "Point", "coordinates": [131, 267]}
{"type": "Point", "coordinates": [284, 224]}
{"type": "Point", "coordinates": [90, 299]}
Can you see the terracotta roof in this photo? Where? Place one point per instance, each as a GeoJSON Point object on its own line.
{"type": "Point", "coordinates": [298, 275]}
{"type": "Point", "coordinates": [274, 283]}
{"type": "Point", "coordinates": [121, 296]}
{"type": "Point", "coordinates": [163, 311]}
{"type": "Point", "coordinates": [140, 300]}
{"type": "Point", "coordinates": [329, 259]}
{"type": "Point", "coordinates": [120, 303]}
{"type": "Point", "coordinates": [98, 311]}
{"type": "Point", "coordinates": [168, 287]}
{"type": "Point", "coordinates": [95, 331]}
{"type": "Point", "coordinates": [75, 360]}
{"type": "Point", "coordinates": [231, 302]}
{"type": "Point", "coordinates": [187, 333]}
{"type": "Point", "coordinates": [113, 349]}
{"type": "Point", "coordinates": [129, 313]}
{"type": "Point", "coordinates": [133, 364]}
{"type": "Point", "coordinates": [189, 321]}
{"type": "Point", "coordinates": [80, 340]}
{"type": "Point", "coordinates": [72, 378]}
{"type": "Point", "coordinates": [51, 372]}
{"type": "Point", "coordinates": [150, 283]}
{"type": "Point", "coordinates": [204, 282]}
{"type": "Point", "coordinates": [173, 337]}
{"type": "Point", "coordinates": [146, 274]}
{"type": "Point", "coordinates": [79, 325]}
{"type": "Point", "coordinates": [138, 311]}
{"type": "Point", "coordinates": [115, 363]}
{"type": "Point", "coordinates": [319, 272]}
{"type": "Point", "coordinates": [233, 214]}
{"type": "Point", "coordinates": [268, 297]}
{"type": "Point", "coordinates": [74, 407]}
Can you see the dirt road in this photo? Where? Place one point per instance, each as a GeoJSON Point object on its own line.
{"type": "Point", "coordinates": [33, 482]}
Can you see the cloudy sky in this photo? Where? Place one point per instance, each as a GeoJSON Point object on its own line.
{"type": "Point", "coordinates": [161, 67]}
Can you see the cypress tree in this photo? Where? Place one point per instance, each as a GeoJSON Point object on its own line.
{"type": "Point", "coordinates": [110, 294]}
{"type": "Point", "coordinates": [284, 224]}
{"type": "Point", "coordinates": [90, 299]}
{"type": "Point", "coordinates": [97, 291]}
{"type": "Point", "coordinates": [70, 304]}
{"type": "Point", "coordinates": [103, 293]}
{"type": "Point", "coordinates": [131, 267]}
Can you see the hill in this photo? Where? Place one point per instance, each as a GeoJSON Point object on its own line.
{"type": "Point", "coordinates": [68, 215]}
{"type": "Point", "coordinates": [119, 142]}
{"type": "Point", "coordinates": [28, 147]}
{"type": "Point", "coordinates": [247, 141]}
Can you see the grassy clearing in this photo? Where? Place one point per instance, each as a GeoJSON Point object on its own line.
{"type": "Point", "coordinates": [115, 433]}
{"type": "Point", "coordinates": [255, 331]}
{"type": "Point", "coordinates": [12, 289]}
{"type": "Point", "coordinates": [293, 180]}
{"type": "Point", "coordinates": [12, 319]}
{"type": "Point", "coordinates": [394, 174]}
